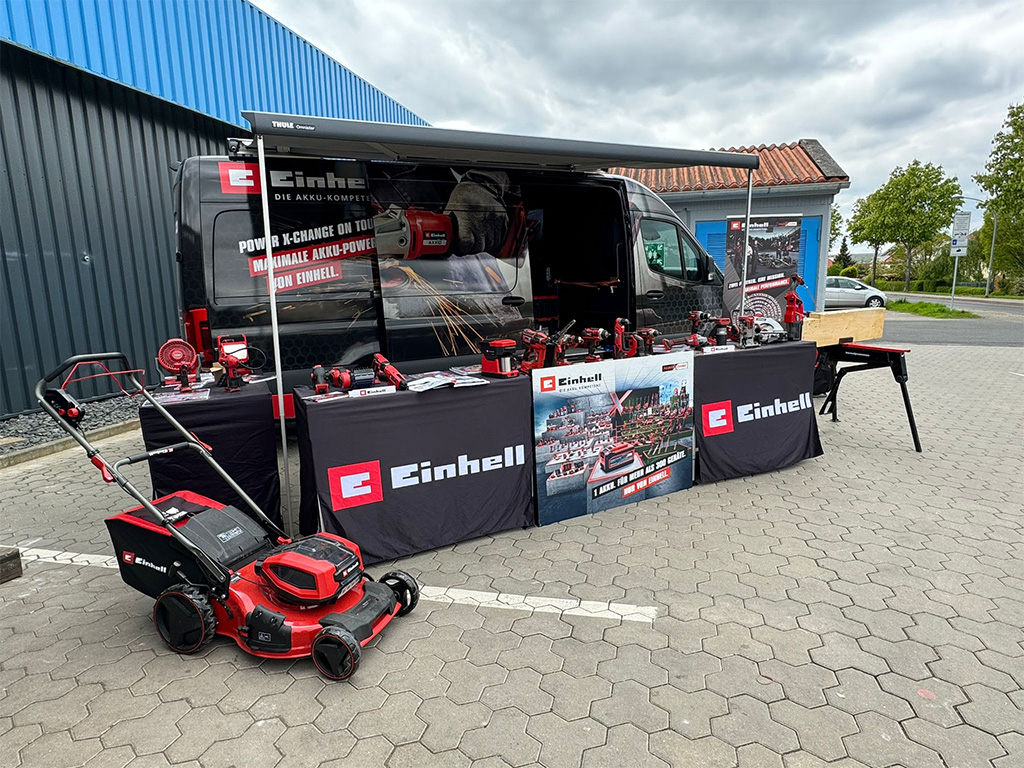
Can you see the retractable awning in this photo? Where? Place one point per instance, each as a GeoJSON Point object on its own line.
{"type": "Point", "coordinates": [359, 140]}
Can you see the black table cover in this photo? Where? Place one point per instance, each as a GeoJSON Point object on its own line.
{"type": "Point", "coordinates": [753, 410]}
{"type": "Point", "coordinates": [239, 427]}
{"type": "Point", "coordinates": [410, 471]}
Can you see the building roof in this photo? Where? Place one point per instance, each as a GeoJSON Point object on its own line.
{"type": "Point", "coordinates": [214, 58]}
{"type": "Point", "coordinates": [802, 162]}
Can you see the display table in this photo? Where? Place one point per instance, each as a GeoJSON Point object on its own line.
{"type": "Point", "coordinates": [410, 471]}
{"type": "Point", "coordinates": [753, 410]}
{"type": "Point", "coordinates": [240, 430]}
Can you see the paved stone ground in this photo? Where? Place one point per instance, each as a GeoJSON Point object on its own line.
{"type": "Point", "coordinates": [862, 609]}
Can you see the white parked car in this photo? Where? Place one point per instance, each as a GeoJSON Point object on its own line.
{"type": "Point", "coordinates": [851, 292]}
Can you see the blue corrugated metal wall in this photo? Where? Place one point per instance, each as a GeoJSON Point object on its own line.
{"type": "Point", "coordinates": [217, 57]}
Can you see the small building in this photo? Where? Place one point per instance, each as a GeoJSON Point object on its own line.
{"type": "Point", "coordinates": [799, 179]}
{"type": "Point", "coordinates": [99, 102]}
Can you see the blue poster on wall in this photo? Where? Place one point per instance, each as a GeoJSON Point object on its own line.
{"type": "Point", "coordinates": [612, 432]}
{"type": "Point", "coordinates": [712, 236]}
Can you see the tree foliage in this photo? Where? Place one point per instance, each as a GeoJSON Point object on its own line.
{"type": "Point", "coordinates": [865, 227]}
{"type": "Point", "coordinates": [1009, 254]}
{"type": "Point", "coordinates": [1003, 178]}
{"type": "Point", "coordinates": [835, 226]}
{"type": "Point", "coordinates": [914, 206]}
{"type": "Point", "coordinates": [843, 258]}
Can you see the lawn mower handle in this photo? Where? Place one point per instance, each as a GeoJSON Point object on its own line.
{"type": "Point", "coordinates": [217, 572]}
{"type": "Point", "coordinates": [76, 359]}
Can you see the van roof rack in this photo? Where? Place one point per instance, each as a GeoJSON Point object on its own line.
{"type": "Point", "coordinates": [361, 140]}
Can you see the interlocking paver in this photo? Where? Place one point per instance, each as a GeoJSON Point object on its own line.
{"type": "Point", "coordinates": [962, 745]}
{"type": "Point", "coordinates": [625, 745]}
{"type": "Point", "coordinates": [932, 699]}
{"type": "Point", "coordinates": [709, 752]}
{"type": "Point", "coordinates": [447, 722]}
{"type": "Point", "coordinates": [819, 729]}
{"type": "Point", "coordinates": [504, 736]}
{"type": "Point", "coordinates": [689, 713]}
{"type": "Point", "coordinates": [881, 743]}
{"type": "Point", "coordinates": [630, 702]}
{"type": "Point", "coordinates": [749, 721]}
{"type": "Point", "coordinates": [573, 696]}
{"type": "Point", "coordinates": [254, 749]}
{"type": "Point", "coordinates": [991, 710]}
{"type": "Point", "coordinates": [151, 733]}
{"type": "Point", "coordinates": [859, 692]}
{"type": "Point", "coordinates": [804, 684]}
{"type": "Point", "coordinates": [564, 742]}
{"type": "Point", "coordinates": [468, 680]}
{"type": "Point", "coordinates": [522, 690]}
{"type": "Point", "coordinates": [742, 676]}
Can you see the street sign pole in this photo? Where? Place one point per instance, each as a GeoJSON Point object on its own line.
{"type": "Point", "coordinates": [958, 245]}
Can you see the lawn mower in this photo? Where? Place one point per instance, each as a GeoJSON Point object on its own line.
{"type": "Point", "coordinates": [216, 570]}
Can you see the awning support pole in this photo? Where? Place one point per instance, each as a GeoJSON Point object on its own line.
{"type": "Point", "coordinates": [272, 290]}
{"type": "Point", "coordinates": [746, 243]}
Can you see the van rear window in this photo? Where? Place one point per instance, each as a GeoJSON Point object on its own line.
{"type": "Point", "coordinates": [315, 253]}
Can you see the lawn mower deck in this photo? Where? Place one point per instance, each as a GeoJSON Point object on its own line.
{"type": "Point", "coordinates": [282, 597]}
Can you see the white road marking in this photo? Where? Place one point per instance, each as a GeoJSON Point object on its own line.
{"type": "Point", "coordinates": [561, 606]}
{"type": "Point", "coordinates": [1014, 373]}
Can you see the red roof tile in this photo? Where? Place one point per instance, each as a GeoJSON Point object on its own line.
{"type": "Point", "coordinates": [781, 164]}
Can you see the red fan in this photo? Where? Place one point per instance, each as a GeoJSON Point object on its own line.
{"type": "Point", "coordinates": [178, 358]}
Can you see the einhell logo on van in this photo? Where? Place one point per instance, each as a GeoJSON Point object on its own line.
{"type": "Point", "coordinates": [239, 178]}
{"type": "Point", "coordinates": [735, 225]}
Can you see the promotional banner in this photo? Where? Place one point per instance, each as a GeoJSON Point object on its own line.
{"type": "Point", "coordinates": [612, 432]}
{"type": "Point", "coordinates": [754, 411]}
{"type": "Point", "coordinates": [774, 243]}
{"type": "Point", "coordinates": [321, 223]}
{"type": "Point", "coordinates": [411, 471]}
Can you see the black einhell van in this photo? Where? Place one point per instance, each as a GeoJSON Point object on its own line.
{"type": "Point", "coordinates": [424, 260]}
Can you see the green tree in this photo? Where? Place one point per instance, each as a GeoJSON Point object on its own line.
{"type": "Point", "coordinates": [835, 226]}
{"type": "Point", "coordinates": [1003, 178]}
{"type": "Point", "coordinates": [914, 206]}
{"type": "Point", "coordinates": [843, 259]}
{"type": "Point", "coordinates": [1009, 255]}
{"type": "Point", "coordinates": [865, 227]}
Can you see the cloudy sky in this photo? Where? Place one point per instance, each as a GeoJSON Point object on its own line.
{"type": "Point", "coordinates": [878, 83]}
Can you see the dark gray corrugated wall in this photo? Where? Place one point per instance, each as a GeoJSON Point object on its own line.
{"type": "Point", "coordinates": [86, 228]}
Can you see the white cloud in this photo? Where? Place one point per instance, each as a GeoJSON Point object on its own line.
{"type": "Point", "coordinates": [878, 83]}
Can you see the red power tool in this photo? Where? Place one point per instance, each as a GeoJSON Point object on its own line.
{"type": "Point", "coordinates": [498, 359]}
{"type": "Point", "coordinates": [233, 355]}
{"type": "Point", "coordinates": [178, 358]}
{"type": "Point", "coordinates": [632, 343]}
{"type": "Point", "coordinates": [411, 233]}
{"type": "Point", "coordinates": [794, 317]}
{"type": "Point", "coordinates": [592, 339]}
{"type": "Point", "coordinates": [385, 371]}
{"type": "Point", "coordinates": [543, 351]}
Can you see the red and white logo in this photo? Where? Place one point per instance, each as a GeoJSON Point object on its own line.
{"type": "Point", "coordinates": [732, 224]}
{"type": "Point", "coordinates": [353, 485]}
{"type": "Point", "coordinates": [716, 418]}
{"type": "Point", "coordinates": [239, 178]}
{"type": "Point", "coordinates": [128, 557]}
{"type": "Point", "coordinates": [547, 384]}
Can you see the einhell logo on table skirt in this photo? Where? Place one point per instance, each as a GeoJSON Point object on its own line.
{"type": "Point", "coordinates": [755, 411]}
{"type": "Point", "coordinates": [413, 471]}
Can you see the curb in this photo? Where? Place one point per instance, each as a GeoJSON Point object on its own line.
{"type": "Point", "coordinates": [38, 451]}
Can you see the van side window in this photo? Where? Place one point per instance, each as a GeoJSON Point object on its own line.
{"type": "Point", "coordinates": [666, 252]}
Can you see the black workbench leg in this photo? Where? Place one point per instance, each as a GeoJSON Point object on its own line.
{"type": "Point", "coordinates": [910, 417]}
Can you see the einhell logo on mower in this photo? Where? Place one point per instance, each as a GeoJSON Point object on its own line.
{"type": "Point", "coordinates": [131, 559]}
{"type": "Point", "coordinates": [353, 485]}
{"type": "Point", "coordinates": [720, 418]}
